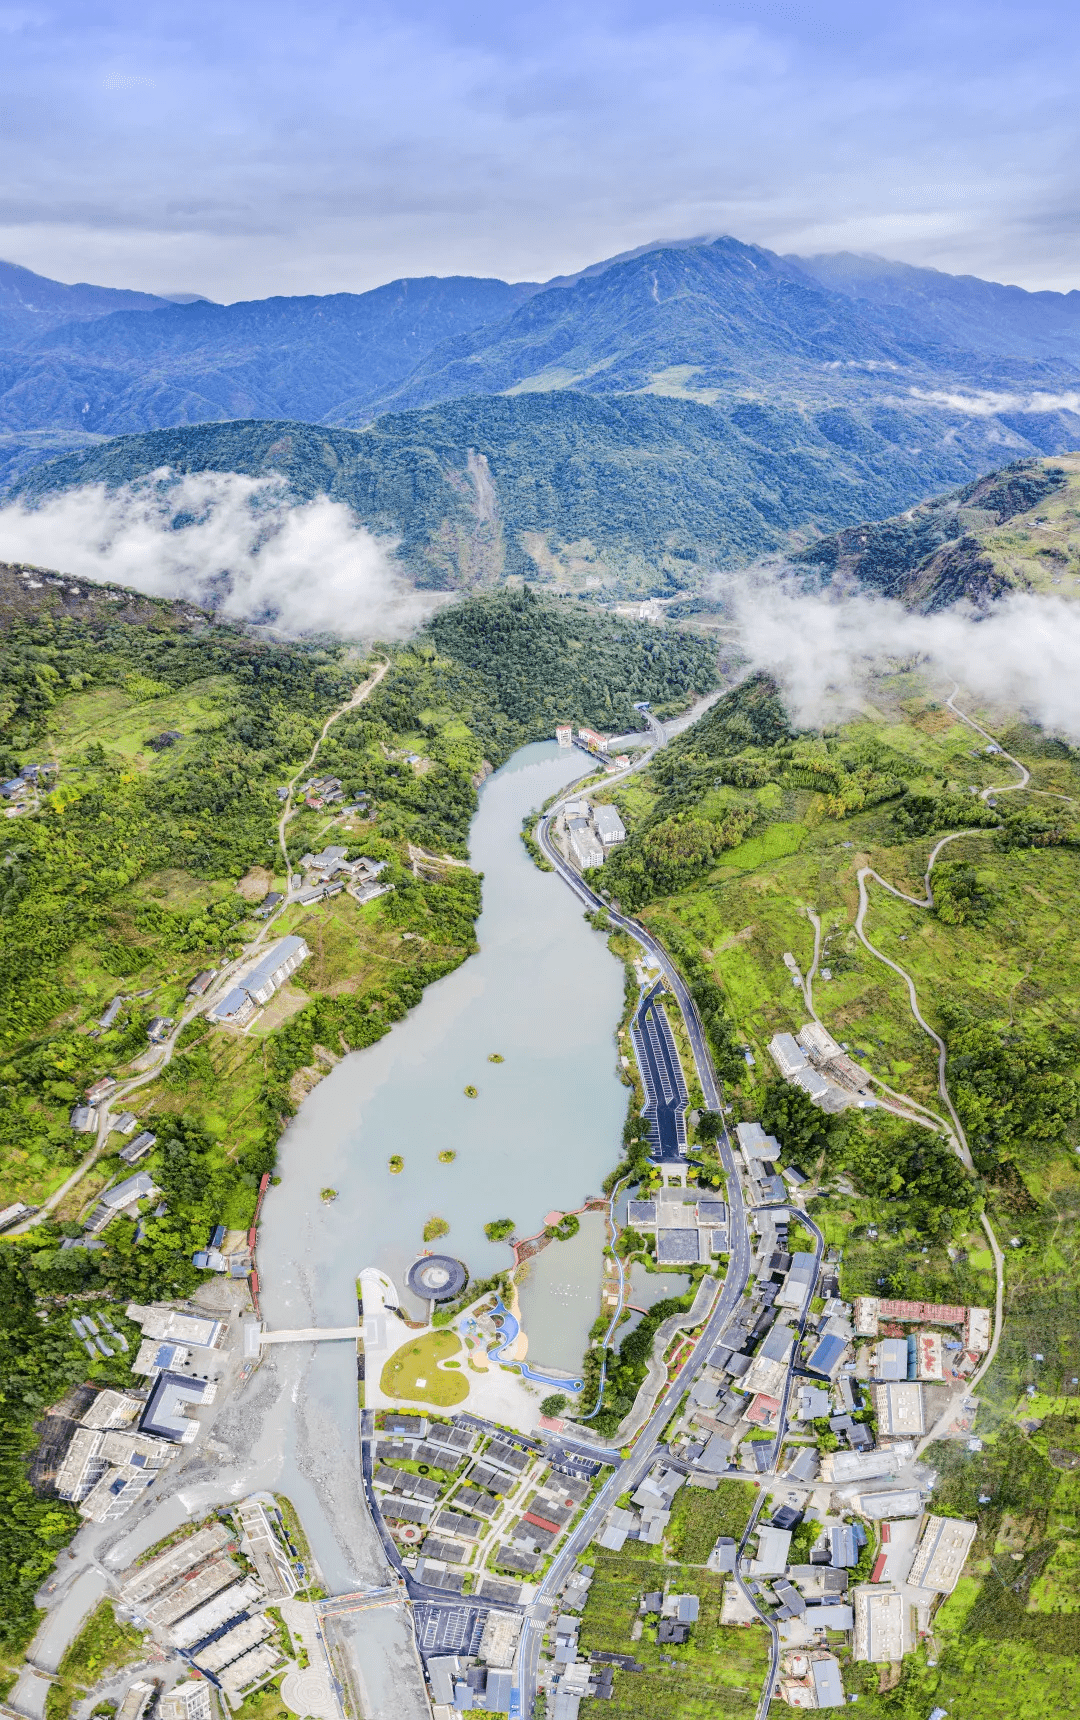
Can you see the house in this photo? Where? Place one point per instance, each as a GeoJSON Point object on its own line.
{"type": "Point", "coordinates": [235, 1008]}
{"type": "Point", "coordinates": [897, 1502]}
{"type": "Point", "coordinates": [138, 1148]}
{"type": "Point", "coordinates": [768, 1369]}
{"type": "Point", "coordinates": [773, 1546]}
{"type": "Point", "coordinates": [928, 1355]}
{"type": "Point", "coordinates": [123, 1124]}
{"type": "Point", "coordinates": [826, 1357]}
{"type": "Point", "coordinates": [811, 1402]}
{"type": "Point", "coordinates": [100, 1090]}
{"type": "Point", "coordinates": [120, 1197]}
{"type": "Point", "coordinates": [564, 734]}
{"type": "Point", "coordinates": [158, 1029]}
{"type": "Point", "coordinates": [609, 826]}
{"type": "Point", "coordinates": [11, 1214]}
{"type": "Point", "coordinates": [200, 985]}
{"type": "Point", "coordinates": [798, 1286]}
{"type": "Point", "coordinates": [160, 1320]}
{"type": "Point", "coordinates": [167, 1413]}
{"type": "Point", "coordinates": [594, 742]}
{"type": "Point", "coordinates": [111, 1013]}
{"type": "Point", "coordinates": [83, 1120]}
{"type": "Point", "coordinates": [891, 1359]}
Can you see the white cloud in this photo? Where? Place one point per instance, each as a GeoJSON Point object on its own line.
{"type": "Point", "coordinates": [985, 403]}
{"type": "Point", "coordinates": [238, 544]}
{"type": "Point", "coordinates": [822, 648]}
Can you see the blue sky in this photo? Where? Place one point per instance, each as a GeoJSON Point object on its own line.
{"type": "Point", "coordinates": [241, 149]}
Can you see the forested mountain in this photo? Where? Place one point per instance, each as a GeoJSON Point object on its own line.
{"type": "Point", "coordinates": [270, 358]}
{"type": "Point", "coordinates": [635, 493]}
{"type": "Point", "coordinates": [32, 304]}
{"type": "Point", "coordinates": [682, 406]}
{"type": "Point", "coordinates": [1011, 530]}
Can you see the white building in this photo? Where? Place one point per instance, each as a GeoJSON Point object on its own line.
{"type": "Point", "coordinates": [787, 1055]}
{"type": "Point", "coordinates": [564, 734]}
{"type": "Point", "coordinates": [585, 845]}
{"type": "Point", "coordinates": [609, 826]}
{"type": "Point", "coordinates": [941, 1553]}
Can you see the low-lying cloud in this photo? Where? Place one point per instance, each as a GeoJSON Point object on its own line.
{"type": "Point", "coordinates": [237, 544]}
{"type": "Point", "coordinates": [824, 648]}
{"type": "Point", "coordinates": [988, 403]}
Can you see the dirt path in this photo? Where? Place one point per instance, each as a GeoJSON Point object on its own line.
{"type": "Point", "coordinates": [956, 1135]}
{"type": "Point", "coordinates": [358, 698]}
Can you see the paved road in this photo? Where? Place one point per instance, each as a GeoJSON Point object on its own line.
{"type": "Point", "coordinates": [629, 1473]}
{"type": "Point", "coordinates": [626, 1477]}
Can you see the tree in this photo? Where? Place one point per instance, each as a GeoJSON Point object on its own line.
{"type": "Point", "coordinates": [554, 1405]}
{"type": "Point", "coordinates": [710, 1126]}
{"type": "Point", "coordinates": [499, 1229]}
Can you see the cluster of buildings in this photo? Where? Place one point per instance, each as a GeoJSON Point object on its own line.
{"type": "Point", "coordinates": [257, 985]}
{"type": "Point", "coordinates": [591, 742]}
{"type": "Point", "coordinates": [328, 873]}
{"type": "Point", "coordinates": [202, 1601]}
{"type": "Point", "coordinates": [499, 1505]}
{"type": "Point", "coordinates": [922, 1355]}
{"type": "Point", "coordinates": [121, 1441]}
{"type": "Point", "coordinates": [589, 832]}
{"type": "Point", "coordinates": [686, 1230]}
{"type": "Point", "coordinates": [22, 791]}
{"type": "Point", "coordinates": [767, 1184]}
{"type": "Point", "coordinates": [324, 792]}
{"type": "Point", "coordinates": [812, 1059]}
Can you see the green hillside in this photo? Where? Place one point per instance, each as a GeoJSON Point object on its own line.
{"type": "Point", "coordinates": [634, 494]}
{"type": "Point", "coordinates": [135, 867]}
{"type": "Point", "coordinates": [1015, 529]}
{"type": "Point", "coordinates": [739, 834]}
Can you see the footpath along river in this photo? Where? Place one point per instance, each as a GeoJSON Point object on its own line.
{"type": "Point", "coordinates": [543, 1132]}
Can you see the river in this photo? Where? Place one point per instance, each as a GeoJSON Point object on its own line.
{"type": "Point", "coordinates": [543, 1132]}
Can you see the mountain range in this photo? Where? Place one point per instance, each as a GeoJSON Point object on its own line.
{"type": "Point", "coordinates": [680, 405]}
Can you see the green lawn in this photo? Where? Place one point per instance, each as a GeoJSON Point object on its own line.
{"type": "Point", "coordinates": [416, 1372]}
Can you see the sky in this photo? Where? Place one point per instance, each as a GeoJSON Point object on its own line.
{"type": "Point", "coordinates": [243, 149]}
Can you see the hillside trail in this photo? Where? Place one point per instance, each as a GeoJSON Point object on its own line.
{"type": "Point", "coordinates": [168, 1046]}
{"type": "Point", "coordinates": [359, 695]}
{"type": "Point", "coordinates": [955, 1134]}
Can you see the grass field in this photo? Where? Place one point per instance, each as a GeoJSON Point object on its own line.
{"type": "Point", "coordinates": [719, 1672]}
{"type": "Point", "coordinates": [417, 1371]}
{"type": "Point", "coordinates": [699, 1517]}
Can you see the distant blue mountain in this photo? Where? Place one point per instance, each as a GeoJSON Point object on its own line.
{"type": "Point", "coordinates": [31, 303]}
{"type": "Point", "coordinates": [268, 358]}
{"type": "Point", "coordinates": [960, 311]}
{"type": "Point", "coordinates": [678, 406]}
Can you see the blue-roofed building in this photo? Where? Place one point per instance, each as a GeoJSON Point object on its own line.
{"type": "Point", "coordinates": [826, 1357]}
{"type": "Point", "coordinates": [166, 1415]}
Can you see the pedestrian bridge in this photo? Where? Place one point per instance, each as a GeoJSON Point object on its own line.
{"type": "Point", "coordinates": [255, 1335]}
